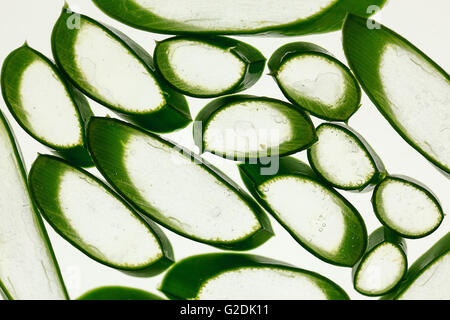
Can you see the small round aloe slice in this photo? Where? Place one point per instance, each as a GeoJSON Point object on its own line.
{"type": "Point", "coordinates": [116, 72]}
{"type": "Point", "coordinates": [245, 127]}
{"type": "Point", "coordinates": [176, 188]}
{"type": "Point", "coordinates": [44, 104]}
{"type": "Point", "coordinates": [118, 293]}
{"type": "Point", "coordinates": [310, 77]}
{"type": "Point", "coordinates": [88, 214]}
{"type": "Point", "coordinates": [317, 217]}
{"type": "Point", "coordinates": [410, 90]}
{"type": "Point", "coordinates": [406, 207]}
{"type": "Point", "coordinates": [429, 276]}
{"type": "Point", "coordinates": [344, 159]}
{"type": "Point", "coordinates": [208, 66]}
{"type": "Point", "coordinates": [289, 17]}
{"type": "Point", "coordinates": [228, 276]}
{"type": "Point", "coordinates": [383, 265]}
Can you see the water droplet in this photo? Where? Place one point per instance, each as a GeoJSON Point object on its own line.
{"type": "Point", "coordinates": [321, 229]}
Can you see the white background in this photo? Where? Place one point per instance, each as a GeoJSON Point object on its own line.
{"type": "Point", "coordinates": [424, 23]}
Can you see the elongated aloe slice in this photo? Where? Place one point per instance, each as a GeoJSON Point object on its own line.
{"type": "Point", "coordinates": [45, 104]}
{"type": "Point", "coordinates": [429, 277]}
{"type": "Point", "coordinates": [317, 217]}
{"type": "Point", "coordinates": [407, 207]}
{"type": "Point", "coordinates": [115, 71]}
{"type": "Point", "coordinates": [383, 265]}
{"type": "Point", "coordinates": [85, 212]}
{"type": "Point", "coordinates": [28, 267]}
{"type": "Point", "coordinates": [247, 127]}
{"type": "Point", "coordinates": [408, 88]}
{"type": "Point", "coordinates": [208, 66]}
{"type": "Point", "coordinates": [310, 77]}
{"type": "Point", "coordinates": [228, 276]}
{"type": "Point", "coordinates": [344, 159]}
{"type": "Point", "coordinates": [118, 293]}
{"type": "Point", "coordinates": [291, 17]}
{"type": "Point", "coordinates": [176, 188]}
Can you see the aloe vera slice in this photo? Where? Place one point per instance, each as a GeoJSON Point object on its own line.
{"type": "Point", "coordinates": [245, 127]}
{"type": "Point", "coordinates": [118, 293]}
{"type": "Point", "coordinates": [292, 17]}
{"type": "Point", "coordinates": [408, 88]}
{"type": "Point", "coordinates": [208, 66]}
{"type": "Point", "coordinates": [429, 276]}
{"type": "Point", "coordinates": [28, 267]}
{"type": "Point", "coordinates": [176, 188]}
{"type": "Point", "coordinates": [44, 104]}
{"type": "Point", "coordinates": [231, 276]}
{"type": "Point", "coordinates": [116, 72]}
{"type": "Point", "coordinates": [407, 207]}
{"type": "Point", "coordinates": [89, 215]}
{"type": "Point", "coordinates": [317, 217]}
{"type": "Point", "coordinates": [344, 158]}
{"type": "Point", "coordinates": [383, 265]}
{"type": "Point", "coordinates": [310, 77]}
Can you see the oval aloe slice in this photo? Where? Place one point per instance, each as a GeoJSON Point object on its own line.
{"type": "Point", "coordinates": [245, 127]}
{"type": "Point", "coordinates": [344, 159]}
{"type": "Point", "coordinates": [383, 265]}
{"type": "Point", "coordinates": [310, 77]}
{"type": "Point", "coordinates": [292, 17]}
{"type": "Point", "coordinates": [429, 277]}
{"type": "Point", "coordinates": [45, 105]}
{"type": "Point", "coordinates": [407, 207]}
{"type": "Point", "coordinates": [228, 276]}
{"type": "Point", "coordinates": [116, 72]}
{"type": "Point", "coordinates": [176, 188]}
{"type": "Point", "coordinates": [85, 212]}
{"type": "Point", "coordinates": [408, 88]}
{"type": "Point", "coordinates": [208, 66]}
{"type": "Point", "coordinates": [118, 293]}
{"type": "Point", "coordinates": [317, 217]}
{"type": "Point", "coordinates": [28, 267]}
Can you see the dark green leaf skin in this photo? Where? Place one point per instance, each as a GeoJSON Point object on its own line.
{"type": "Point", "coordinates": [380, 170]}
{"type": "Point", "coordinates": [128, 12]}
{"type": "Point", "coordinates": [118, 293]}
{"type": "Point", "coordinates": [43, 231]}
{"type": "Point", "coordinates": [185, 279]}
{"type": "Point", "coordinates": [307, 136]}
{"type": "Point", "coordinates": [415, 184]}
{"type": "Point", "coordinates": [13, 67]}
{"type": "Point", "coordinates": [378, 237]}
{"type": "Point", "coordinates": [106, 136]}
{"type": "Point", "coordinates": [296, 49]}
{"type": "Point", "coordinates": [289, 166]}
{"type": "Point", "coordinates": [363, 47]}
{"type": "Point", "coordinates": [172, 116]}
{"type": "Point", "coordinates": [440, 248]}
{"type": "Point", "coordinates": [44, 179]}
{"type": "Point", "coordinates": [253, 59]}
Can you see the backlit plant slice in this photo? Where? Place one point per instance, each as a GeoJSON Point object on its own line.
{"type": "Point", "coordinates": [45, 104]}
{"type": "Point", "coordinates": [88, 214]}
{"type": "Point", "coordinates": [408, 88]}
{"type": "Point", "coordinates": [176, 188]}
{"type": "Point", "coordinates": [227, 276]}
{"type": "Point", "coordinates": [208, 66]}
{"type": "Point", "coordinates": [28, 267]}
{"type": "Point", "coordinates": [291, 17]}
{"type": "Point", "coordinates": [310, 77]}
{"type": "Point", "coordinates": [115, 71]}
{"type": "Point", "coordinates": [317, 217]}
{"type": "Point", "coordinates": [243, 127]}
